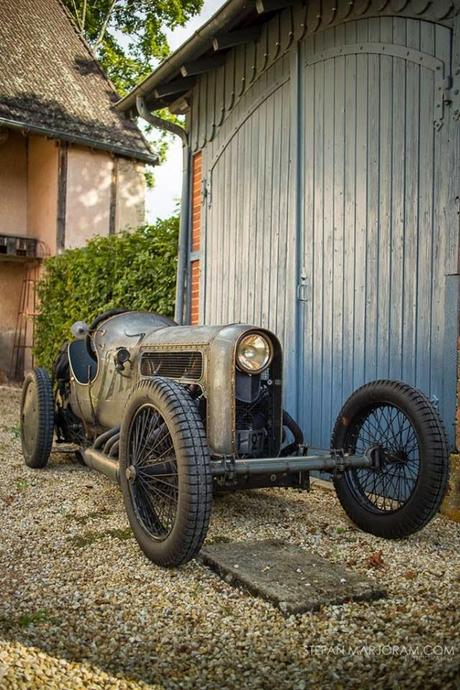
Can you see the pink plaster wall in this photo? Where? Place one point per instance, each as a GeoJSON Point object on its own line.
{"type": "Point", "coordinates": [89, 180]}
{"type": "Point", "coordinates": [43, 191]}
{"type": "Point", "coordinates": [13, 183]}
{"type": "Point", "coordinates": [89, 183]}
{"type": "Point", "coordinates": [29, 200]}
{"type": "Point", "coordinates": [130, 211]}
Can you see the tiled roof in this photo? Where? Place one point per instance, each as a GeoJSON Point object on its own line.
{"type": "Point", "coordinates": [51, 83]}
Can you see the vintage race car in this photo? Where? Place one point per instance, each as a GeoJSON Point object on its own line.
{"type": "Point", "coordinates": [176, 413]}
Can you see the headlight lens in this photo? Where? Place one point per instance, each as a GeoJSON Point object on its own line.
{"type": "Point", "coordinates": [254, 353]}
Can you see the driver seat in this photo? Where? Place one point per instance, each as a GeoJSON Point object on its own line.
{"type": "Point", "coordinates": [83, 360]}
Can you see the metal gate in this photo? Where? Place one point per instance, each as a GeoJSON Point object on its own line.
{"type": "Point", "coordinates": [377, 294]}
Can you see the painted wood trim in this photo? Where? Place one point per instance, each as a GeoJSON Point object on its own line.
{"type": "Point", "coordinates": [62, 196]}
{"type": "Point", "coordinates": [113, 197]}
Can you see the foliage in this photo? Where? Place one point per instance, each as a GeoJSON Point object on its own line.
{"type": "Point", "coordinates": [128, 36]}
{"type": "Point", "coordinates": [134, 270]}
{"type": "Point", "coordinates": [128, 39]}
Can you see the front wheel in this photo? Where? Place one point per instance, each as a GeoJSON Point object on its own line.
{"type": "Point", "coordinates": [405, 489]}
{"type": "Point", "coordinates": [165, 472]}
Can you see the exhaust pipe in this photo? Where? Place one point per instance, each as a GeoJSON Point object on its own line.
{"type": "Point", "coordinates": [102, 463]}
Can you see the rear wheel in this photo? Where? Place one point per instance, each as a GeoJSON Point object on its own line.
{"type": "Point", "coordinates": [37, 418]}
{"type": "Point", "coordinates": [165, 472]}
{"type": "Point", "coordinates": [404, 490]}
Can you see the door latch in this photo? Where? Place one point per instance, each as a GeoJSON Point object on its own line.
{"type": "Point", "coordinates": [303, 288]}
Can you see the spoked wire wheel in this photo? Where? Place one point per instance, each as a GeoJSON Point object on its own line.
{"type": "Point", "coordinates": [165, 472]}
{"type": "Point", "coordinates": [389, 432]}
{"type": "Point", "coordinates": [152, 471]}
{"type": "Point", "coordinates": [398, 425]}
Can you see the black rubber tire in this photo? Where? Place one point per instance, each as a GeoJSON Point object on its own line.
{"type": "Point", "coordinates": [37, 418]}
{"type": "Point", "coordinates": [194, 502]}
{"type": "Point", "coordinates": [433, 468]}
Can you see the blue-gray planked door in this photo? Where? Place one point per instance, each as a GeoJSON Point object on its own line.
{"type": "Point", "coordinates": [249, 267]}
{"type": "Point", "coordinates": [377, 294]}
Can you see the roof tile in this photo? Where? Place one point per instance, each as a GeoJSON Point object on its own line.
{"type": "Point", "coordinates": [50, 81]}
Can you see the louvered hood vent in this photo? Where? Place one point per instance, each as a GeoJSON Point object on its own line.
{"type": "Point", "coordinates": [174, 365]}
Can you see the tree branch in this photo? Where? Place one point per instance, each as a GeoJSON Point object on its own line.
{"type": "Point", "coordinates": [104, 25]}
{"type": "Point", "coordinates": [76, 17]}
{"type": "Point", "coordinates": [83, 16]}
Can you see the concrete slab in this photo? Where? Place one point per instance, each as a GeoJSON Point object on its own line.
{"type": "Point", "coordinates": [291, 578]}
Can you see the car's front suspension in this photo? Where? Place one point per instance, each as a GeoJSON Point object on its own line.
{"type": "Point", "coordinates": [335, 461]}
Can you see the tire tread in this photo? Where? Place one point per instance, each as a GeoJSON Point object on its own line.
{"type": "Point", "coordinates": [40, 456]}
{"type": "Point", "coordinates": [414, 515]}
{"type": "Point", "coordinates": [190, 440]}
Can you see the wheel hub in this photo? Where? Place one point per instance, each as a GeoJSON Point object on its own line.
{"type": "Point", "coordinates": [131, 473]}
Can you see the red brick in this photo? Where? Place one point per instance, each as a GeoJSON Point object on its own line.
{"type": "Point", "coordinates": [195, 292]}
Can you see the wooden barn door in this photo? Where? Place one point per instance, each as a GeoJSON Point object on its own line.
{"type": "Point", "coordinates": [249, 265]}
{"type": "Point", "coordinates": [377, 297]}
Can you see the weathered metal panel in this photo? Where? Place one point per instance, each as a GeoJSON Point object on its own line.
{"type": "Point", "coordinates": [380, 229]}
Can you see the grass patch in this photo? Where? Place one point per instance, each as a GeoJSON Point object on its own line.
{"type": "Point", "coordinates": [83, 519]}
{"type": "Point", "coordinates": [119, 533]}
{"type": "Point", "coordinates": [15, 431]}
{"type": "Point", "coordinates": [40, 616]}
{"type": "Point", "coordinates": [88, 538]}
{"type": "Point", "coordinates": [219, 539]}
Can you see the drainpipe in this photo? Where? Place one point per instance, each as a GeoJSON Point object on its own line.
{"type": "Point", "coordinates": [179, 131]}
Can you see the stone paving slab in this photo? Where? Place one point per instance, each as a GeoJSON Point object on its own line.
{"type": "Point", "coordinates": [291, 578]}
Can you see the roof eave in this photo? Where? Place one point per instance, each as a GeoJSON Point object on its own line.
{"type": "Point", "coordinates": [199, 42]}
{"type": "Point", "coordinates": [82, 140]}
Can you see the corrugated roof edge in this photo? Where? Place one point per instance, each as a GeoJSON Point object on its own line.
{"type": "Point", "coordinates": [197, 44]}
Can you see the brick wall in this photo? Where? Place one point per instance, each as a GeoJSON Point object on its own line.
{"type": "Point", "coordinates": [196, 238]}
{"type": "Point", "coordinates": [195, 294]}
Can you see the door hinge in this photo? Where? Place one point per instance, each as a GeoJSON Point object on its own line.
{"type": "Point", "coordinates": [446, 97]}
{"type": "Point", "coordinates": [446, 86]}
{"type": "Point", "coordinates": [451, 93]}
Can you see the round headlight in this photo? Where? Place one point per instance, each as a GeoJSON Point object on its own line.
{"type": "Point", "coordinates": [254, 353]}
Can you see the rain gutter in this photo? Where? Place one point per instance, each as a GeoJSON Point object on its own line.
{"type": "Point", "coordinates": [183, 242]}
{"type": "Point", "coordinates": [232, 12]}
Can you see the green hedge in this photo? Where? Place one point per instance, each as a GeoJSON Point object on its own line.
{"type": "Point", "coordinates": [134, 270]}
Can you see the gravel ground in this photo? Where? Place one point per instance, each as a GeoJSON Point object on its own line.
{"type": "Point", "coordinates": [82, 608]}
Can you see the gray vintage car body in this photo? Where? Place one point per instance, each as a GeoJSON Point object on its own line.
{"type": "Point", "coordinates": [175, 413]}
{"type": "Point", "coordinates": [197, 356]}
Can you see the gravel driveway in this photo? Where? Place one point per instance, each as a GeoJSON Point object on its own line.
{"type": "Point", "coordinates": [81, 607]}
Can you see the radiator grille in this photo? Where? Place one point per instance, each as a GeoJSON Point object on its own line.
{"type": "Point", "coordinates": [174, 365]}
